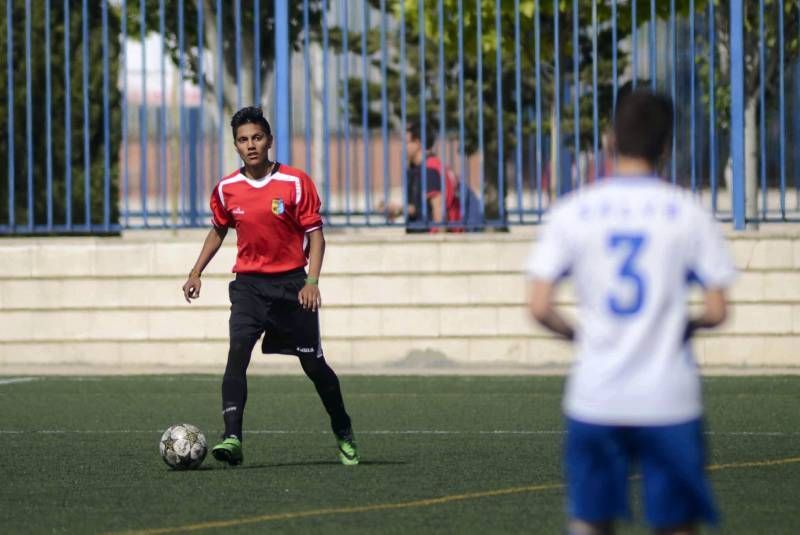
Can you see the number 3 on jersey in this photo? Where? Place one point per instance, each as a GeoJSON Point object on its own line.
{"type": "Point", "coordinates": [630, 244]}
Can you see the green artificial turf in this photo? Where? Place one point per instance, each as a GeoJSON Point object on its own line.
{"type": "Point", "coordinates": [80, 455]}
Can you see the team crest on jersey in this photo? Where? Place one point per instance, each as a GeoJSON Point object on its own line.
{"type": "Point", "coordinates": [277, 206]}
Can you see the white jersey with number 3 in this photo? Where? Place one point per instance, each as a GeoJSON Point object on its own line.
{"type": "Point", "coordinates": [631, 246]}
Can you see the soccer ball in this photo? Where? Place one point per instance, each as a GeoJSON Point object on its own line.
{"type": "Point", "coordinates": [183, 447]}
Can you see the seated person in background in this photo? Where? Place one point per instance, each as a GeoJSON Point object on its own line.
{"type": "Point", "coordinates": [433, 185]}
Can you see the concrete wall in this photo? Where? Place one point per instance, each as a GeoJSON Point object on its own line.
{"type": "Point", "coordinates": [391, 302]}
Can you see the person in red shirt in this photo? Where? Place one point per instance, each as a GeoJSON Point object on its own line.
{"type": "Point", "coordinates": [275, 211]}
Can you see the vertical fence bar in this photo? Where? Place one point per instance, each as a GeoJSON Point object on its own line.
{"type": "Point", "coordinates": [781, 110]}
{"type": "Point", "coordinates": [307, 84]}
{"type": "Point", "coordinates": [442, 127]}
{"type": "Point", "coordinates": [183, 180]}
{"type": "Point", "coordinates": [518, 89]}
{"type": "Point", "coordinates": [162, 115]}
{"type": "Point", "coordinates": [29, 112]}
{"type": "Point", "coordinates": [384, 105]}
{"type": "Point", "coordinates": [282, 98]}
{"type": "Point", "coordinates": [712, 119]}
{"type": "Point", "coordinates": [555, 173]}
{"type": "Point", "coordinates": [737, 112]}
{"type": "Point", "coordinates": [762, 110]}
{"type": "Point", "coordinates": [796, 124]}
{"type": "Point", "coordinates": [537, 30]}
{"type": "Point", "coordinates": [634, 44]}
{"type": "Point", "coordinates": [325, 130]}
{"type": "Point", "coordinates": [218, 83]}
{"type": "Point", "coordinates": [461, 150]}
{"type": "Point", "coordinates": [86, 157]}
{"type": "Point", "coordinates": [576, 95]}
{"type": "Point", "coordinates": [673, 91]}
{"type": "Point", "coordinates": [48, 120]}
{"type": "Point", "coordinates": [595, 112]}
{"type": "Point", "coordinates": [237, 17]}
{"type": "Point", "coordinates": [124, 65]}
{"type": "Point", "coordinates": [692, 100]}
{"type": "Point", "coordinates": [201, 81]}
{"type": "Point", "coordinates": [106, 125]}
{"type": "Point", "coordinates": [479, 46]}
{"type": "Point", "coordinates": [403, 115]}
{"type": "Point", "coordinates": [67, 119]}
{"type": "Point", "coordinates": [652, 47]}
{"type": "Point", "coordinates": [142, 116]}
{"type": "Point", "coordinates": [365, 111]}
{"type": "Point", "coordinates": [614, 81]}
{"type": "Point", "coordinates": [345, 104]}
{"type": "Point", "coordinates": [501, 160]}
{"type": "Point", "coordinates": [10, 105]}
{"type": "Point", "coordinates": [257, 53]}
{"type": "Point", "coordinates": [422, 111]}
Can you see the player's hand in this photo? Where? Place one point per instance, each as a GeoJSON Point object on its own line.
{"type": "Point", "coordinates": [309, 297]}
{"type": "Point", "coordinates": [191, 290]}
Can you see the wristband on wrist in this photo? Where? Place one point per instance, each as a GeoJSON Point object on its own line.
{"type": "Point", "coordinates": [194, 273]}
{"type": "Point", "coordinates": [312, 280]}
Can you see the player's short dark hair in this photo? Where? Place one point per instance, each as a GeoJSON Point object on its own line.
{"type": "Point", "coordinates": [251, 115]}
{"type": "Point", "coordinates": [643, 125]}
{"type": "Point", "coordinates": [415, 130]}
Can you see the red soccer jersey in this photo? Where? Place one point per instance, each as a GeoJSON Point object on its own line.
{"type": "Point", "coordinates": [271, 217]}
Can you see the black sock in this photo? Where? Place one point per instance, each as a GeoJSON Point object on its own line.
{"type": "Point", "coordinates": [327, 385]}
{"type": "Point", "coordinates": [234, 386]}
{"type": "Point", "coordinates": [234, 396]}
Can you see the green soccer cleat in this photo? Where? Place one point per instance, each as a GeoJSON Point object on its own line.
{"type": "Point", "coordinates": [229, 451]}
{"type": "Point", "coordinates": [348, 451]}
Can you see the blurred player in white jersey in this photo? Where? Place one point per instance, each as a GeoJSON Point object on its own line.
{"type": "Point", "coordinates": [632, 244]}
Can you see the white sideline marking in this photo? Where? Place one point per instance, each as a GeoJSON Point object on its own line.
{"type": "Point", "coordinates": [17, 380]}
{"type": "Point", "coordinates": [373, 432]}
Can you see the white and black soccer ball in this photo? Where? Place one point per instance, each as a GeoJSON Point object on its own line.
{"type": "Point", "coordinates": [183, 447]}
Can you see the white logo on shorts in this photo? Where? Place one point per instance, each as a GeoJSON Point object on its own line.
{"type": "Point", "coordinates": [305, 349]}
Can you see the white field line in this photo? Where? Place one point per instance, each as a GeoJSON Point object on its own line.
{"type": "Point", "coordinates": [13, 380]}
{"type": "Point", "coordinates": [368, 432]}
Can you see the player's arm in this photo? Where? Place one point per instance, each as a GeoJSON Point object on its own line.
{"type": "Point", "coordinates": [543, 310]}
{"type": "Point", "coordinates": [309, 295]}
{"type": "Point", "coordinates": [434, 194]}
{"type": "Point", "coordinates": [212, 243]}
{"type": "Point", "coordinates": [715, 311]}
{"type": "Point", "coordinates": [436, 207]}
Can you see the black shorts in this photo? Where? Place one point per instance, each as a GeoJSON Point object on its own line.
{"type": "Point", "coordinates": [268, 304]}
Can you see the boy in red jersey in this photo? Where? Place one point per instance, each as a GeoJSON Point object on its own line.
{"type": "Point", "coordinates": [275, 211]}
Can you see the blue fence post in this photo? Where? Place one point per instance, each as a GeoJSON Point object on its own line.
{"type": "Point", "coordinates": [124, 61]}
{"type": "Point", "coordinates": [106, 127]}
{"type": "Point", "coordinates": [737, 112]}
{"type": "Point", "coordinates": [162, 116]}
{"type": "Point", "coordinates": [282, 97]}
{"type": "Point", "coordinates": [67, 121]}
{"type": "Point", "coordinates": [86, 155]}
{"type": "Point", "coordinates": [29, 112]}
{"type": "Point", "coordinates": [10, 101]}
{"type": "Point", "coordinates": [48, 120]}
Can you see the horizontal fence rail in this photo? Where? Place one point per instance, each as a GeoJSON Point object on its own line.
{"type": "Point", "coordinates": [117, 112]}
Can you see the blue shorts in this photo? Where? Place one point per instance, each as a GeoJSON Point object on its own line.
{"type": "Point", "coordinates": [598, 462]}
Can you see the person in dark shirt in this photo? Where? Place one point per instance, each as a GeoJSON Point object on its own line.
{"type": "Point", "coordinates": [416, 221]}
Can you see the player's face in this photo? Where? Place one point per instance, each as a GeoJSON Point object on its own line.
{"type": "Point", "coordinates": [252, 144]}
{"type": "Point", "coordinates": [413, 148]}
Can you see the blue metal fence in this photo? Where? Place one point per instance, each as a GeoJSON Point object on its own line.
{"type": "Point", "coordinates": [517, 94]}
